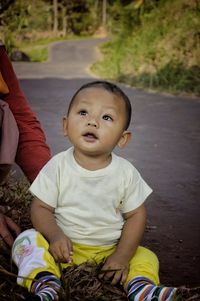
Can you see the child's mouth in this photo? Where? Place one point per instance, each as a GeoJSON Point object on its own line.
{"type": "Point", "coordinates": [90, 136]}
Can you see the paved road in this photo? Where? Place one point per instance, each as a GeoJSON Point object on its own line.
{"type": "Point", "coordinates": [66, 60]}
{"type": "Point", "coordinates": [165, 148]}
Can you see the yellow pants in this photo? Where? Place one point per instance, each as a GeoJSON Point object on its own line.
{"type": "Point", "coordinates": [31, 255]}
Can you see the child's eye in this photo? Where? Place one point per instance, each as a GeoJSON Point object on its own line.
{"type": "Point", "coordinates": [82, 112]}
{"type": "Point", "coordinates": [107, 117]}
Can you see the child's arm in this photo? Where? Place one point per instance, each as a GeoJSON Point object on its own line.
{"type": "Point", "coordinates": [129, 241]}
{"type": "Point", "coordinates": [42, 216]}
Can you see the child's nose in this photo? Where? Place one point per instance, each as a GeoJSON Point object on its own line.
{"type": "Point", "coordinates": [92, 122]}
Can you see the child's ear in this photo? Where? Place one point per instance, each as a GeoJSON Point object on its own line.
{"type": "Point", "coordinates": [126, 136]}
{"type": "Point", "coordinates": [65, 125]}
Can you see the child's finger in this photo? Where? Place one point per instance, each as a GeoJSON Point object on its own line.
{"type": "Point", "coordinates": [55, 251]}
{"type": "Point", "coordinates": [117, 277]}
{"type": "Point", "coordinates": [66, 256]}
{"type": "Point", "coordinates": [66, 251]}
{"type": "Point", "coordinates": [54, 254]}
{"type": "Point", "coordinates": [124, 276]}
{"type": "Point", "coordinates": [108, 274]}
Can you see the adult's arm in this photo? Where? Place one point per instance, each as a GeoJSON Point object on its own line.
{"type": "Point", "coordinates": [6, 227]}
{"type": "Point", "coordinates": [33, 151]}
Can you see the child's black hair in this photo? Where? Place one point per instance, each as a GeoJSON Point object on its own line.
{"type": "Point", "coordinates": [111, 88]}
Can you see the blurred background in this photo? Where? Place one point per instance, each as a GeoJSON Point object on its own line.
{"type": "Point", "coordinates": [151, 43]}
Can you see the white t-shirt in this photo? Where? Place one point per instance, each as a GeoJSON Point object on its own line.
{"type": "Point", "coordinates": [89, 205]}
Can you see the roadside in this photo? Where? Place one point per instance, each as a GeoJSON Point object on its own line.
{"type": "Point", "coordinates": [61, 62]}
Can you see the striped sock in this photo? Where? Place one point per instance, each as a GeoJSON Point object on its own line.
{"type": "Point", "coordinates": [47, 288]}
{"type": "Point", "coordinates": [143, 289]}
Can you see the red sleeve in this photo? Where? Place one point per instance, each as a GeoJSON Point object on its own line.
{"type": "Point", "coordinates": [33, 151]}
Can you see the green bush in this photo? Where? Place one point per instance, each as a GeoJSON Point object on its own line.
{"type": "Point", "coordinates": [173, 77]}
{"type": "Point", "coordinates": [160, 49]}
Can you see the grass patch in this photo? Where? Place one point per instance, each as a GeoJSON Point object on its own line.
{"type": "Point", "coordinates": [37, 54]}
{"type": "Point", "coordinates": [173, 77]}
{"type": "Point", "coordinates": [161, 53]}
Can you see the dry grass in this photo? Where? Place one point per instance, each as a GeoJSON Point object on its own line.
{"type": "Point", "coordinates": [79, 282]}
{"type": "Point", "coordinates": [83, 280]}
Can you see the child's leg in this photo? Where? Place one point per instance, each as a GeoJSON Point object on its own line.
{"type": "Point", "coordinates": [142, 282]}
{"type": "Point", "coordinates": [30, 254]}
{"type": "Point", "coordinates": [32, 141]}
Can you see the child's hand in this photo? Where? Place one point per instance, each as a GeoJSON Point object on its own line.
{"type": "Point", "coordinates": [120, 267]}
{"type": "Point", "coordinates": [61, 248]}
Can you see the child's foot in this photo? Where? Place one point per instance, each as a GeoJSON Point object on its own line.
{"type": "Point", "coordinates": [32, 297]}
{"type": "Point", "coordinates": [141, 288]}
{"type": "Point", "coordinates": [46, 288]}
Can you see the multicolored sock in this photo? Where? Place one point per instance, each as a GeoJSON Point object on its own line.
{"type": "Point", "coordinates": [143, 289]}
{"type": "Point", "coordinates": [47, 288]}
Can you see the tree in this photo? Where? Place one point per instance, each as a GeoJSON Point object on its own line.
{"type": "Point", "coordinates": [104, 13]}
{"type": "Point", "coordinates": [55, 16]}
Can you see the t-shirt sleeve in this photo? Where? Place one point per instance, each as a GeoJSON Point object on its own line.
{"type": "Point", "coordinates": [136, 192]}
{"type": "Point", "coordinates": [45, 186]}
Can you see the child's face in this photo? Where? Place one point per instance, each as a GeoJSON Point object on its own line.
{"type": "Point", "coordinates": [95, 124]}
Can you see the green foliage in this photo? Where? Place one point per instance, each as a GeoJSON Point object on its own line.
{"type": "Point", "coordinates": [25, 19]}
{"type": "Point", "coordinates": [155, 43]}
{"type": "Point", "coordinates": [81, 17]}
{"type": "Point", "coordinates": [21, 17]}
{"type": "Point", "coordinates": [123, 18]}
{"type": "Point", "coordinates": [39, 54]}
{"type": "Point", "coordinates": [161, 50]}
{"type": "Point", "coordinates": [9, 41]}
{"type": "Point", "coordinates": [173, 77]}
{"type": "Point", "coordinates": [177, 77]}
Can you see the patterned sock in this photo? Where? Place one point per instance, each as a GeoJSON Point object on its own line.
{"type": "Point", "coordinates": [47, 288]}
{"type": "Point", "coordinates": [143, 289]}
